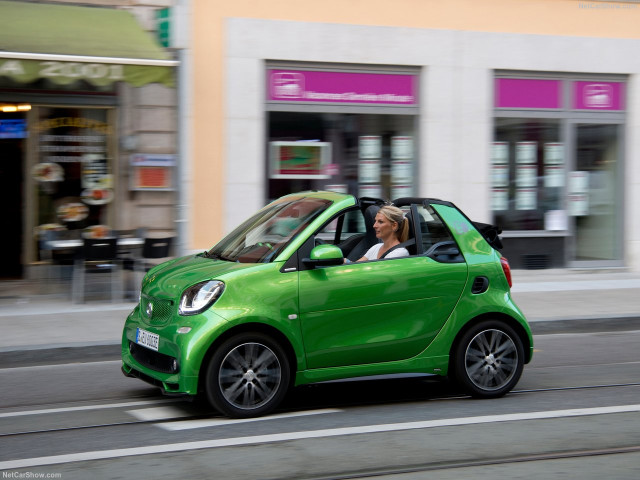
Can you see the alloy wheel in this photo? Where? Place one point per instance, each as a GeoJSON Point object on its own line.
{"type": "Point", "coordinates": [249, 376]}
{"type": "Point", "coordinates": [491, 359]}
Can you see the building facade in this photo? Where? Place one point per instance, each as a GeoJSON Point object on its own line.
{"type": "Point", "coordinates": [525, 114]}
{"type": "Point", "coordinates": [88, 123]}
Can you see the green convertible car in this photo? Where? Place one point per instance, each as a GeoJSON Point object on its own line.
{"type": "Point", "coordinates": [287, 299]}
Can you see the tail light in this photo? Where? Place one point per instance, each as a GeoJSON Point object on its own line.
{"type": "Point", "coordinates": [507, 270]}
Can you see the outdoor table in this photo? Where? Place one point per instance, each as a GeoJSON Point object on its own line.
{"type": "Point", "coordinates": [78, 242]}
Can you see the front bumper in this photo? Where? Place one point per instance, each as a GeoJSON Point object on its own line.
{"type": "Point", "coordinates": [175, 366]}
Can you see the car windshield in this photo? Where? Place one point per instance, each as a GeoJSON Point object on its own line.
{"type": "Point", "coordinates": [263, 236]}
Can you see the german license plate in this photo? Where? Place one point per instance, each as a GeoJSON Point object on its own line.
{"type": "Point", "coordinates": [147, 339]}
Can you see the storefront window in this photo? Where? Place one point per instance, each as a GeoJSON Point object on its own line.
{"type": "Point", "coordinates": [527, 173]}
{"type": "Point", "coordinates": [72, 170]}
{"type": "Point", "coordinates": [556, 169]}
{"type": "Point", "coordinates": [361, 154]}
{"type": "Point", "coordinates": [596, 207]}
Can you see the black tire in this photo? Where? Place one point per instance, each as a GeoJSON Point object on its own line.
{"type": "Point", "coordinates": [488, 359]}
{"type": "Point", "coordinates": [247, 376]}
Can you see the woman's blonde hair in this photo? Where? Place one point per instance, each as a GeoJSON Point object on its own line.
{"type": "Point", "coordinates": [394, 214]}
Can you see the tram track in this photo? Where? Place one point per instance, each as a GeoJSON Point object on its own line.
{"type": "Point", "coordinates": [434, 467]}
{"type": "Point", "coordinates": [131, 401]}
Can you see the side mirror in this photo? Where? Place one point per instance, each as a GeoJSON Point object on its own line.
{"type": "Point", "coordinates": [324, 256]}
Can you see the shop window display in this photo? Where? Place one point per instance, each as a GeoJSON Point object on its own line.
{"type": "Point", "coordinates": [361, 154]}
{"type": "Point", "coordinates": [527, 174]}
{"type": "Point", "coordinates": [72, 170]}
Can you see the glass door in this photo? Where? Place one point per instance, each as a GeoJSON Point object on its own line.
{"type": "Point", "coordinates": [595, 195]}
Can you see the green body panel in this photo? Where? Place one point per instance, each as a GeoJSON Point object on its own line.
{"type": "Point", "coordinates": [481, 260]}
{"type": "Point", "coordinates": [260, 294]}
{"type": "Point", "coordinates": [399, 315]}
{"type": "Point", "coordinates": [373, 315]}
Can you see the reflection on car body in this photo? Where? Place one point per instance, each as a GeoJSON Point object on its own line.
{"type": "Point", "coordinates": [272, 305]}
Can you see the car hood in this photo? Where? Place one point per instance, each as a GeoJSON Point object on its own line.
{"type": "Point", "coordinates": [170, 279]}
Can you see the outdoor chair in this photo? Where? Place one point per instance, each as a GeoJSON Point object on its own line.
{"type": "Point", "coordinates": [98, 257]}
{"type": "Point", "coordinates": [154, 252]}
{"type": "Point", "coordinates": [58, 262]}
{"type": "Point", "coordinates": [130, 254]}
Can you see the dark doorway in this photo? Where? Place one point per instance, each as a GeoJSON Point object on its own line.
{"type": "Point", "coordinates": [11, 195]}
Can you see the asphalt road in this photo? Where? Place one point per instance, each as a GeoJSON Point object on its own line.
{"type": "Point", "coordinates": [574, 414]}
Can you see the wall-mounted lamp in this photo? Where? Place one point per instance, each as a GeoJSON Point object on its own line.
{"type": "Point", "coordinates": [15, 108]}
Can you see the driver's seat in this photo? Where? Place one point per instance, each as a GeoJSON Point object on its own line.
{"type": "Point", "coordinates": [369, 239]}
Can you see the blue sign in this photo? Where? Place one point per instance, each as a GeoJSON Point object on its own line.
{"type": "Point", "coordinates": [13, 128]}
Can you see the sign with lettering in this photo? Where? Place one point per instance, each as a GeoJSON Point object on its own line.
{"type": "Point", "coordinates": [300, 159]}
{"type": "Point", "coordinates": [99, 74]}
{"type": "Point", "coordinates": [598, 96]}
{"type": "Point", "coordinates": [152, 171]}
{"type": "Point", "coordinates": [342, 87]}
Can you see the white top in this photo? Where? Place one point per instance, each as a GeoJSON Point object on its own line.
{"type": "Point", "coordinates": [372, 253]}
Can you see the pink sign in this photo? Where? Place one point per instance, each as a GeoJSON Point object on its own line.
{"type": "Point", "coordinates": [598, 95]}
{"type": "Point", "coordinates": [342, 87]}
{"type": "Point", "coordinates": [528, 93]}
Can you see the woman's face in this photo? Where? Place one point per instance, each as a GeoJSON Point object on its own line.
{"type": "Point", "coordinates": [384, 227]}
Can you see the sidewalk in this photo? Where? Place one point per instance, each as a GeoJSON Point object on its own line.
{"type": "Point", "coordinates": [36, 328]}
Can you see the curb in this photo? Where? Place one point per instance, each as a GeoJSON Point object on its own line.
{"type": "Point", "coordinates": [82, 352]}
{"type": "Point", "coordinates": [58, 355]}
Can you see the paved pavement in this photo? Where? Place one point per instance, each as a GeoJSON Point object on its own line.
{"type": "Point", "coordinates": [39, 326]}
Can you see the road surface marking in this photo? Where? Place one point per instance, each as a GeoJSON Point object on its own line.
{"type": "Point", "coordinates": [86, 407]}
{"type": "Point", "coordinates": [302, 435]}
{"type": "Point", "coordinates": [189, 424]}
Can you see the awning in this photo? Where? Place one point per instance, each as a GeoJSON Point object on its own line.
{"type": "Point", "coordinates": [66, 43]}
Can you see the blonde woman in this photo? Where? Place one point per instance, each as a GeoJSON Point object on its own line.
{"type": "Point", "coordinates": [392, 228]}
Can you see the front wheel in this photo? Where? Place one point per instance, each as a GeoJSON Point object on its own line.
{"type": "Point", "coordinates": [488, 360]}
{"type": "Point", "coordinates": [247, 376]}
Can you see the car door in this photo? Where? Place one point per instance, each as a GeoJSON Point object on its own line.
{"type": "Point", "coordinates": [376, 311]}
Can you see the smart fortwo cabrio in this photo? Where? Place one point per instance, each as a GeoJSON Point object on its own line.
{"type": "Point", "coordinates": [274, 305]}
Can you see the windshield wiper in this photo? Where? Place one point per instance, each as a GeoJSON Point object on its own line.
{"type": "Point", "coordinates": [217, 256]}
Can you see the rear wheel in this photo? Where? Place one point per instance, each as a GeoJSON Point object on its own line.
{"type": "Point", "coordinates": [247, 376]}
{"type": "Point", "coordinates": [489, 359]}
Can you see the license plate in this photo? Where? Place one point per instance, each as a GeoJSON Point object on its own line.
{"type": "Point", "coordinates": [147, 339]}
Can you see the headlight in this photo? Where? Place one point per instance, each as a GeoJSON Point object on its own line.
{"type": "Point", "coordinates": [197, 298]}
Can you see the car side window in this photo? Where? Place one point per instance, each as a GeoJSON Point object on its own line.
{"type": "Point", "coordinates": [344, 228]}
{"type": "Point", "coordinates": [432, 229]}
